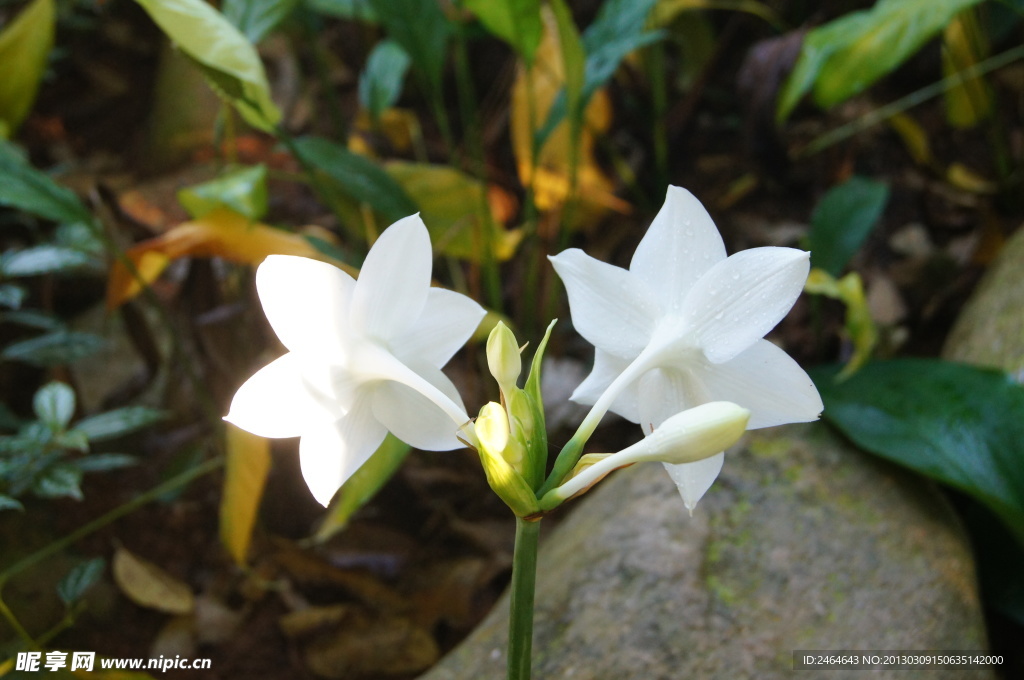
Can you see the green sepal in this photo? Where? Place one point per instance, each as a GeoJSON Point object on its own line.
{"type": "Point", "coordinates": [537, 443]}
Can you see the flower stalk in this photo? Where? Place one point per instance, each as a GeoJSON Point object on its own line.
{"type": "Point", "coordinates": [524, 580]}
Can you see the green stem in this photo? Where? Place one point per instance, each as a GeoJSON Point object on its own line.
{"type": "Point", "coordinates": [524, 580]}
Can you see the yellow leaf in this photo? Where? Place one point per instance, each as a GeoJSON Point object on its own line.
{"type": "Point", "coordinates": [248, 463]}
{"type": "Point", "coordinates": [24, 46]}
{"type": "Point", "coordinates": [451, 203]}
{"type": "Point", "coordinates": [963, 45]}
{"type": "Point", "coordinates": [147, 585]}
{"type": "Point", "coordinates": [962, 177]}
{"type": "Point", "coordinates": [551, 181]}
{"type": "Point", "coordinates": [860, 327]}
{"type": "Point", "coordinates": [221, 233]}
{"type": "Point", "coordinates": [915, 139]}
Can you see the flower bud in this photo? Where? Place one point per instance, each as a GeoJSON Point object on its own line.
{"type": "Point", "coordinates": [503, 358]}
{"type": "Point", "coordinates": [503, 475]}
{"type": "Point", "coordinates": [694, 434]}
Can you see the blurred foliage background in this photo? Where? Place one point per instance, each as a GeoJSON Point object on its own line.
{"type": "Point", "coordinates": [153, 152]}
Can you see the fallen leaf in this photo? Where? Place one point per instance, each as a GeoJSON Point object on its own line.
{"type": "Point", "coordinates": [221, 233]}
{"type": "Point", "coordinates": [147, 585]}
{"type": "Point", "coordinates": [245, 474]}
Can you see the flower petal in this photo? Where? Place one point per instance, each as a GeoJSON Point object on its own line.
{"type": "Point", "coordinates": [664, 392]}
{"type": "Point", "coordinates": [742, 298]}
{"type": "Point", "coordinates": [414, 418]}
{"type": "Point", "coordinates": [679, 247]}
{"type": "Point", "coordinates": [610, 307]}
{"type": "Point", "coordinates": [275, 402]}
{"type": "Point", "coordinates": [694, 479]}
{"type": "Point", "coordinates": [768, 382]}
{"type": "Point", "coordinates": [393, 283]}
{"type": "Point", "coordinates": [306, 302]}
{"type": "Point", "coordinates": [330, 452]}
{"type": "Point", "coordinates": [447, 321]}
{"type": "Point", "coordinates": [607, 367]}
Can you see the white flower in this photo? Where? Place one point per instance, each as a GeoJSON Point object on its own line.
{"type": "Point", "coordinates": [364, 357]}
{"type": "Point", "coordinates": [684, 326]}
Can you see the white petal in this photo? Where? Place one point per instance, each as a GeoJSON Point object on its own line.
{"type": "Point", "coordinates": [765, 380]}
{"type": "Point", "coordinates": [393, 283]}
{"type": "Point", "coordinates": [742, 298]}
{"type": "Point", "coordinates": [447, 321]}
{"type": "Point", "coordinates": [607, 367]}
{"type": "Point", "coordinates": [610, 307]}
{"type": "Point", "coordinates": [331, 452]}
{"type": "Point", "coordinates": [679, 247]}
{"type": "Point", "coordinates": [275, 402]}
{"type": "Point", "coordinates": [664, 392]}
{"type": "Point", "coordinates": [306, 302]}
{"type": "Point", "coordinates": [694, 479]}
{"type": "Point", "coordinates": [413, 417]}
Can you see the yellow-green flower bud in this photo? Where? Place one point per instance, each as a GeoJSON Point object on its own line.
{"type": "Point", "coordinates": [503, 358]}
{"type": "Point", "coordinates": [496, 446]}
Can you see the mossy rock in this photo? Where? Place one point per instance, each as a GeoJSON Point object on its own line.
{"type": "Point", "coordinates": [802, 544]}
{"type": "Point", "coordinates": [990, 329]}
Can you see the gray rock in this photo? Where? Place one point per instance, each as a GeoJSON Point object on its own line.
{"type": "Point", "coordinates": [990, 329]}
{"type": "Point", "coordinates": [802, 544]}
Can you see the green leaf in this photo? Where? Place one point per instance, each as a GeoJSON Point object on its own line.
{"type": "Point", "coordinates": [450, 205]}
{"type": "Point", "coordinates": [8, 503]}
{"type": "Point", "coordinates": [59, 481]}
{"type": "Point", "coordinates": [24, 46]}
{"type": "Point", "coordinates": [245, 475]}
{"type": "Point", "coordinates": [11, 296]}
{"type": "Point", "coordinates": [101, 462]}
{"type": "Point", "coordinates": [381, 81]}
{"type": "Point", "coordinates": [118, 423]}
{"type": "Point", "coordinates": [54, 404]}
{"type": "Point", "coordinates": [229, 61]}
{"type": "Point", "coordinates": [43, 259]}
{"type": "Point", "coordinates": [243, 190]}
{"type": "Point", "coordinates": [77, 581]}
{"type": "Point", "coordinates": [53, 349]}
{"type": "Point", "coordinates": [25, 188]}
{"type": "Point", "coordinates": [8, 421]}
{"type": "Point", "coordinates": [955, 423]}
{"type": "Point", "coordinates": [358, 177]}
{"type": "Point", "coordinates": [422, 30]}
{"type": "Point", "coordinates": [360, 10]}
{"type": "Point", "coordinates": [362, 486]}
{"type": "Point", "coordinates": [32, 319]}
{"type": "Point", "coordinates": [574, 60]}
{"type": "Point", "coordinates": [845, 56]}
{"type": "Point", "coordinates": [257, 18]}
{"type": "Point", "coordinates": [517, 22]}
{"type": "Point", "coordinates": [617, 31]}
{"type": "Point", "coordinates": [842, 220]}
{"type": "Point", "coordinates": [538, 447]}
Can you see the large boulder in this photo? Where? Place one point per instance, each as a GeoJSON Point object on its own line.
{"type": "Point", "coordinates": [990, 329]}
{"type": "Point", "coordinates": [803, 543]}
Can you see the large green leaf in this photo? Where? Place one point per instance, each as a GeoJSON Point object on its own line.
{"type": "Point", "coordinates": [358, 177]}
{"type": "Point", "coordinates": [845, 56]}
{"type": "Point", "coordinates": [25, 188]}
{"type": "Point", "coordinates": [618, 30]}
{"type": "Point", "coordinates": [381, 81]}
{"type": "Point", "coordinates": [842, 220]}
{"type": "Point", "coordinates": [422, 30]}
{"type": "Point", "coordinates": [24, 46]}
{"type": "Point", "coordinates": [449, 203]}
{"type": "Point", "coordinates": [257, 18]}
{"type": "Point", "coordinates": [243, 190]}
{"type": "Point", "coordinates": [226, 57]}
{"type": "Point", "coordinates": [955, 423]}
{"type": "Point", "coordinates": [517, 22]}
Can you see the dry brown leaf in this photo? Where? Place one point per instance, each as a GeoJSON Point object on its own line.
{"type": "Point", "coordinates": [147, 585]}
